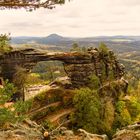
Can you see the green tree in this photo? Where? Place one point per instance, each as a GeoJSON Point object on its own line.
{"type": "Point", "coordinates": [105, 60]}
{"type": "Point", "coordinates": [84, 49]}
{"type": "Point", "coordinates": [75, 47]}
{"type": "Point", "coordinates": [94, 82]}
{"type": "Point", "coordinates": [4, 43]}
{"type": "Point", "coordinates": [20, 80]}
{"type": "Point", "coordinates": [133, 106]}
{"type": "Point", "coordinates": [123, 117]}
{"type": "Point", "coordinates": [103, 49]}
{"type": "Point", "coordinates": [88, 107]}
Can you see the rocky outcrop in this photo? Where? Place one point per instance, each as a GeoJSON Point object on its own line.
{"type": "Point", "coordinates": [79, 66]}
{"type": "Point", "coordinates": [83, 66]}
{"type": "Point", "coordinates": [27, 130]}
{"type": "Point", "coordinates": [131, 132]}
{"type": "Point", "coordinates": [64, 134]}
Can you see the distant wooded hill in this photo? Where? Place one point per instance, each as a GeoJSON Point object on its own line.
{"type": "Point", "coordinates": [117, 43]}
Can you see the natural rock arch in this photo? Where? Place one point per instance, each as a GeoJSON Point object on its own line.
{"type": "Point", "coordinates": [79, 66]}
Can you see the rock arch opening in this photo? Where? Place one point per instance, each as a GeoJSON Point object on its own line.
{"type": "Point", "coordinates": [49, 70]}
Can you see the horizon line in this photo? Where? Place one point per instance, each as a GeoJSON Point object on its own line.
{"type": "Point", "coordinates": [77, 36]}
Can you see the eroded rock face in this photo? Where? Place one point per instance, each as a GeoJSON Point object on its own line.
{"type": "Point", "coordinates": [131, 132]}
{"type": "Point", "coordinates": [79, 66]}
{"type": "Point", "coordinates": [82, 67]}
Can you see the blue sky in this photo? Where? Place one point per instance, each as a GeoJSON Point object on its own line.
{"type": "Point", "coordinates": [78, 18]}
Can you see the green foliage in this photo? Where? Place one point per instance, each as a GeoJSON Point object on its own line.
{"type": "Point", "coordinates": [133, 106]}
{"type": "Point", "coordinates": [108, 116]}
{"type": "Point", "coordinates": [41, 96]}
{"type": "Point", "coordinates": [120, 105]}
{"type": "Point", "coordinates": [84, 49]}
{"type": "Point", "coordinates": [88, 108]}
{"type": "Point", "coordinates": [4, 43]}
{"type": "Point", "coordinates": [48, 125]}
{"type": "Point", "coordinates": [103, 76]}
{"type": "Point", "coordinates": [22, 107]}
{"type": "Point", "coordinates": [75, 47]}
{"type": "Point", "coordinates": [101, 114]}
{"type": "Point", "coordinates": [108, 62]}
{"type": "Point", "coordinates": [7, 92]}
{"type": "Point", "coordinates": [111, 76]}
{"type": "Point", "coordinates": [34, 79]}
{"type": "Point", "coordinates": [94, 82]}
{"type": "Point", "coordinates": [103, 49]}
{"type": "Point", "coordinates": [123, 117]}
{"type": "Point", "coordinates": [6, 115]}
{"type": "Point", "coordinates": [48, 71]}
{"type": "Point", "coordinates": [14, 112]}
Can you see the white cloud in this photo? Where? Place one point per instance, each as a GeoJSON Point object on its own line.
{"type": "Point", "coordinates": [77, 18]}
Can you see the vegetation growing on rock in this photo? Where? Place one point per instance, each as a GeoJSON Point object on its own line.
{"type": "Point", "coordinates": [4, 43]}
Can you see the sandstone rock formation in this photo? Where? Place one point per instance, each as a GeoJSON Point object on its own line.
{"type": "Point", "coordinates": [131, 132]}
{"type": "Point", "coordinates": [27, 130]}
{"type": "Point", "coordinates": [79, 66]}
{"type": "Point", "coordinates": [64, 134]}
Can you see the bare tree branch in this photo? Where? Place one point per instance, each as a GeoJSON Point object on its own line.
{"type": "Point", "coordinates": [29, 4]}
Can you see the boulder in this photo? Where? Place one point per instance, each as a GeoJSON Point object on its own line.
{"type": "Point", "coordinates": [89, 136]}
